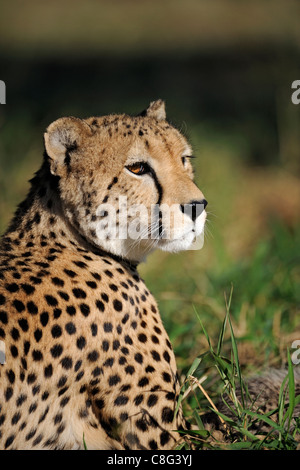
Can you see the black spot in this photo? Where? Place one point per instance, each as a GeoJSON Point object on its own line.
{"type": "Point", "coordinates": [166, 377]}
{"type": "Point", "coordinates": [153, 444]}
{"type": "Point", "coordinates": [99, 403]}
{"type": "Point", "coordinates": [105, 346]}
{"type": "Point", "coordinates": [62, 381]}
{"type": "Point", "coordinates": [23, 324]}
{"type": "Point", "coordinates": [117, 305]}
{"type": "Point", "coordinates": [37, 355]}
{"type": "Point", "coordinates": [11, 376]}
{"type": "Point", "coordinates": [166, 356]}
{"type": "Point", "coordinates": [139, 358]}
{"type": "Point", "coordinates": [51, 301]}
{"type": "Point", "coordinates": [164, 438]}
{"type": "Point", "coordinates": [38, 334]}
{"type": "Point", "coordinates": [56, 331]}
{"type": "Point", "coordinates": [56, 350]}
{"type": "Point", "coordinates": [35, 280]}
{"type": "Point", "coordinates": [70, 273]}
{"type": "Point", "coordinates": [48, 371]}
{"type": "Point", "coordinates": [109, 362]}
{"type": "Point", "coordinates": [13, 287]}
{"type": "Point", "coordinates": [44, 318]}
{"type": "Point", "coordinates": [128, 340]}
{"type": "Point", "coordinates": [167, 415]}
{"type": "Point", "coordinates": [114, 380]}
{"type": "Point", "coordinates": [152, 400]}
{"type": "Point", "coordinates": [71, 310]}
{"type": "Point", "coordinates": [21, 399]}
{"type": "Point", "coordinates": [121, 400]}
{"type": "Point", "coordinates": [63, 295]}
{"type": "Point", "coordinates": [3, 317]}
{"type": "Point", "coordinates": [80, 264]}
{"type": "Point", "coordinates": [70, 328]}
{"type": "Point", "coordinates": [85, 309]}
{"type": "Point", "coordinates": [66, 362]}
{"type": "Point", "coordinates": [14, 351]}
{"type": "Point", "coordinates": [93, 356]}
{"type": "Point", "coordinates": [2, 299]}
{"type": "Point", "coordinates": [81, 342]}
{"type": "Point", "coordinates": [8, 393]}
{"type": "Point", "coordinates": [26, 347]}
{"type": "Point", "coordinates": [129, 370]}
{"type": "Point", "coordinates": [113, 287]}
{"type": "Point", "coordinates": [141, 424]}
{"type": "Point", "coordinates": [32, 408]}
{"type": "Point", "coordinates": [154, 339]}
{"type": "Point", "coordinates": [57, 313]}
{"type": "Point", "coordinates": [138, 400]}
{"type": "Point", "coordinates": [142, 338]}
{"type": "Point", "coordinates": [94, 329]}
{"type": "Point", "coordinates": [125, 318]}
{"type": "Point", "coordinates": [19, 306]}
{"type": "Point", "coordinates": [143, 382]}
{"type": "Point", "coordinates": [32, 308]}
{"type": "Point", "coordinates": [16, 418]}
{"type": "Point", "coordinates": [77, 365]}
{"type": "Point", "coordinates": [28, 289]}
{"type": "Point", "coordinates": [91, 284]}
{"type": "Point", "coordinates": [96, 276]}
{"type": "Point", "coordinates": [107, 327]}
{"type": "Point", "coordinates": [9, 441]}
{"type": "Point", "coordinates": [37, 218]}
{"type": "Point", "coordinates": [155, 355]}
{"type": "Point", "coordinates": [100, 305]}
{"type": "Point", "coordinates": [64, 401]}
{"type": "Point", "coordinates": [57, 281]}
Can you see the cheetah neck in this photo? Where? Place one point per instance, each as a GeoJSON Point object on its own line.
{"type": "Point", "coordinates": [40, 217]}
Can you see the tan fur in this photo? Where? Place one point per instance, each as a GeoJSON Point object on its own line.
{"type": "Point", "coordinates": [87, 355]}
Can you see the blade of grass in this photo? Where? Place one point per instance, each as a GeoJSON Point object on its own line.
{"type": "Point", "coordinates": [204, 330]}
{"type": "Point", "coordinates": [291, 382]}
{"type": "Point", "coordinates": [237, 362]}
{"type": "Point", "coordinates": [183, 389]}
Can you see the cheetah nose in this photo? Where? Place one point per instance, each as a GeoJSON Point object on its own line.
{"type": "Point", "coordinates": [194, 208]}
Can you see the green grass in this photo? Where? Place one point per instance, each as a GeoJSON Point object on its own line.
{"type": "Point", "coordinates": [240, 416]}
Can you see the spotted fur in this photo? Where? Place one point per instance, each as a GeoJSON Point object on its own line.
{"type": "Point", "coordinates": [87, 356]}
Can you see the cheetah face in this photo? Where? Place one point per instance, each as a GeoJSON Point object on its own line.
{"type": "Point", "coordinates": [126, 183]}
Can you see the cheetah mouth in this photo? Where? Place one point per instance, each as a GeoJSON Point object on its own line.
{"type": "Point", "coordinates": [190, 240]}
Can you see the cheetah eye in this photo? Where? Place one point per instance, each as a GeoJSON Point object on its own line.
{"type": "Point", "coordinates": [184, 159]}
{"type": "Point", "coordinates": [139, 168]}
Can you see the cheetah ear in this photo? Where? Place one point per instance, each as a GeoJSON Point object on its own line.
{"type": "Point", "coordinates": [61, 138]}
{"type": "Point", "coordinates": [156, 110]}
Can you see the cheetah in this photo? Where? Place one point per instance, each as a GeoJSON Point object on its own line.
{"type": "Point", "coordinates": [87, 359]}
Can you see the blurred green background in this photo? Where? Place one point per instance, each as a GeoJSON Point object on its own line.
{"type": "Point", "coordinates": [225, 70]}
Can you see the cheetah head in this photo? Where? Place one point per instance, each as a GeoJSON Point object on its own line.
{"type": "Point", "coordinates": [126, 183]}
